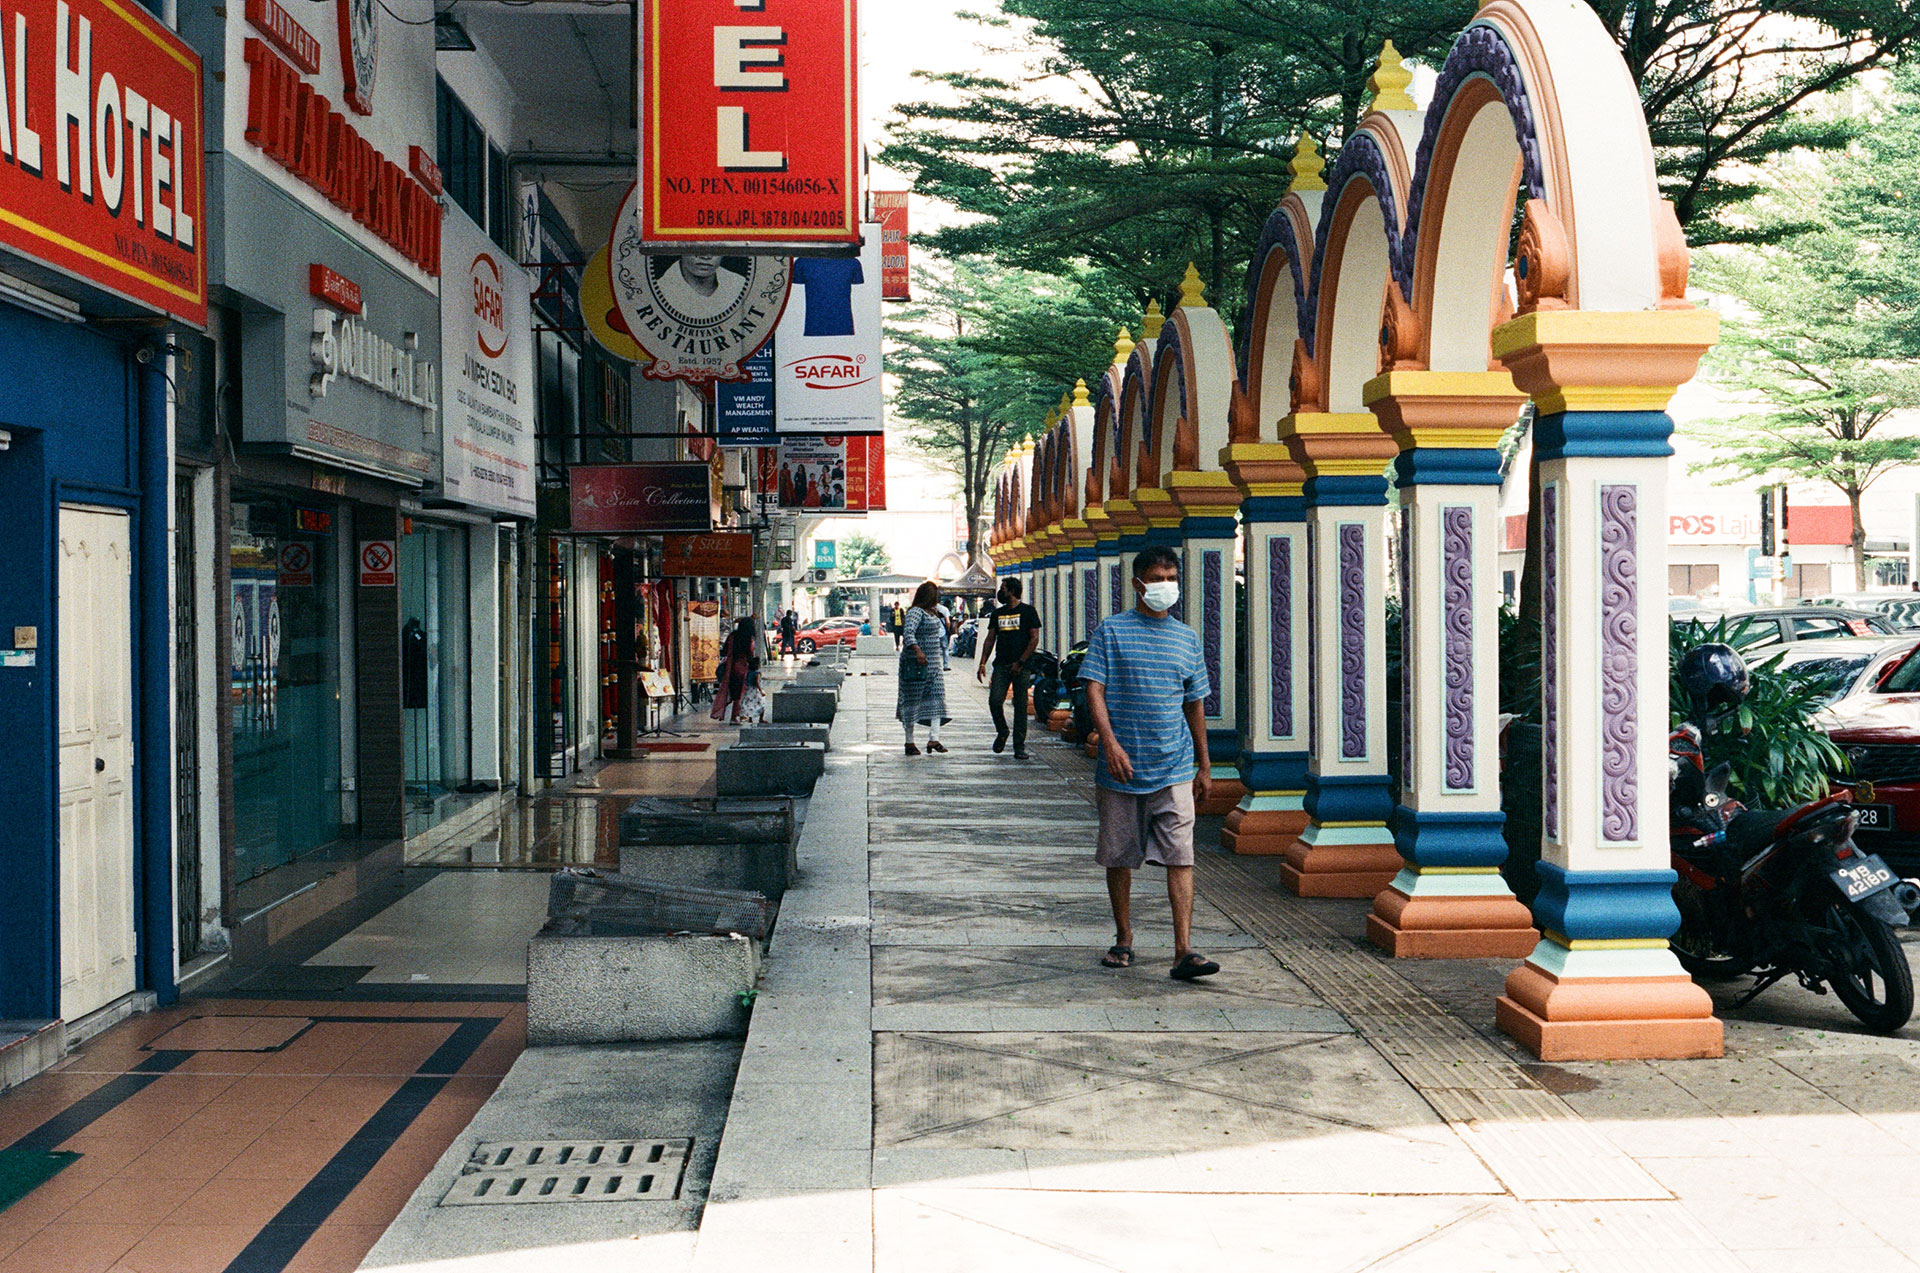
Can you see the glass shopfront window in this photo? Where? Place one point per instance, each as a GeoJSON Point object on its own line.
{"type": "Point", "coordinates": [284, 688]}
{"type": "Point", "coordinates": [434, 670]}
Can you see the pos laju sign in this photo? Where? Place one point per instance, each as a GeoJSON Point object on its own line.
{"type": "Point", "coordinates": [748, 134]}
{"type": "Point", "coordinates": [100, 149]}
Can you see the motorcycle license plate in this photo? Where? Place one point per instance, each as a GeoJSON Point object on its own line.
{"type": "Point", "coordinates": [1874, 817]}
{"type": "Point", "coordinates": [1864, 876]}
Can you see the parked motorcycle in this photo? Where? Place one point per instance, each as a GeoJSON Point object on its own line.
{"type": "Point", "coordinates": [1043, 669]}
{"type": "Point", "coordinates": [1778, 894]}
{"type": "Point", "coordinates": [1075, 695]}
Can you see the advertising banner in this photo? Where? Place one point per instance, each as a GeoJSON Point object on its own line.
{"type": "Point", "coordinates": [486, 351]}
{"type": "Point", "coordinates": [703, 640]}
{"type": "Point", "coordinates": [826, 377]}
{"type": "Point", "coordinates": [890, 210]}
{"type": "Point", "coordinates": [721, 555]}
{"type": "Point", "coordinates": [876, 472]}
{"type": "Point", "coordinates": [122, 209]}
{"type": "Point", "coordinates": [637, 498]}
{"type": "Point", "coordinates": [695, 315]}
{"type": "Point", "coordinates": [842, 475]}
{"type": "Point", "coordinates": [745, 407]}
{"type": "Point", "coordinates": [749, 125]}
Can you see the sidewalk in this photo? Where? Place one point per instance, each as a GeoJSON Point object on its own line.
{"type": "Point", "coordinates": [941, 1077]}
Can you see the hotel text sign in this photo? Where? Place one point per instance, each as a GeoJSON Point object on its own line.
{"type": "Point", "coordinates": [748, 135]}
{"type": "Point", "coordinates": [100, 146]}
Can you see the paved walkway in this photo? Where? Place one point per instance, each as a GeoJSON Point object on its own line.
{"type": "Point", "coordinates": [941, 1077]}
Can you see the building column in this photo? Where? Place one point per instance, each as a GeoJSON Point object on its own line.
{"type": "Point", "coordinates": [1209, 532]}
{"type": "Point", "coordinates": [1346, 850]}
{"type": "Point", "coordinates": [1602, 983]}
{"type": "Point", "coordinates": [1273, 695]}
{"type": "Point", "coordinates": [1132, 525]}
{"type": "Point", "coordinates": [1449, 900]}
{"type": "Point", "coordinates": [1078, 566]}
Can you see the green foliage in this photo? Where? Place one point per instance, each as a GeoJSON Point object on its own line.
{"type": "Point", "coordinates": [862, 554]}
{"type": "Point", "coordinates": [1780, 759]}
{"type": "Point", "coordinates": [1519, 665]}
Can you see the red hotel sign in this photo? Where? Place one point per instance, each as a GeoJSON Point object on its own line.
{"type": "Point", "coordinates": [100, 148]}
{"type": "Point", "coordinates": [637, 498]}
{"type": "Point", "coordinates": [748, 128]}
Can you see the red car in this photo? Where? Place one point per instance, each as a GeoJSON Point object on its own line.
{"type": "Point", "coordinates": [826, 632]}
{"type": "Point", "coordinates": [1872, 713]}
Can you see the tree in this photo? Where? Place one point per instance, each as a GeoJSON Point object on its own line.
{"type": "Point", "coordinates": [1817, 337]}
{"type": "Point", "coordinates": [984, 354]}
{"type": "Point", "coordinates": [859, 556]}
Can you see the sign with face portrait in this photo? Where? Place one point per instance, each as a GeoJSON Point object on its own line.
{"type": "Point", "coordinates": [697, 316]}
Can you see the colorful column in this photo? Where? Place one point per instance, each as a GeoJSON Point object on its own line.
{"type": "Point", "coordinates": [1209, 530]}
{"type": "Point", "coordinates": [1449, 900]}
{"type": "Point", "coordinates": [1132, 526]}
{"type": "Point", "coordinates": [1271, 814]}
{"type": "Point", "coordinates": [1346, 850]}
{"type": "Point", "coordinates": [1602, 982]}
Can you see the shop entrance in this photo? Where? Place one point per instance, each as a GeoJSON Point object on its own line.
{"type": "Point", "coordinates": [96, 759]}
{"type": "Point", "coordinates": [434, 670]}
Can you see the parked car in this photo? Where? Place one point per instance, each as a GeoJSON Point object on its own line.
{"type": "Point", "coordinates": [826, 632]}
{"type": "Point", "coordinates": [1748, 630]}
{"type": "Point", "coordinates": [1872, 713]}
{"type": "Point", "coordinates": [1899, 609]}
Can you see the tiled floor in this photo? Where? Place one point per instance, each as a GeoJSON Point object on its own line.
{"type": "Point", "coordinates": [247, 1136]}
{"type": "Point", "coordinates": [482, 918]}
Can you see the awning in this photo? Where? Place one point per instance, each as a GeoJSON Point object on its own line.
{"type": "Point", "coordinates": [975, 580]}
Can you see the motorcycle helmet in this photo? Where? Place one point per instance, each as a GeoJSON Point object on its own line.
{"type": "Point", "coordinates": [1715, 679]}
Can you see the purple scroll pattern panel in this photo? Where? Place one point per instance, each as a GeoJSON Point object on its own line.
{"type": "Point", "coordinates": [1210, 629]}
{"type": "Point", "coordinates": [1456, 576]}
{"type": "Point", "coordinates": [1619, 663]}
{"type": "Point", "coordinates": [1073, 597]}
{"type": "Point", "coordinates": [1113, 588]}
{"type": "Point", "coordinates": [1316, 689]}
{"type": "Point", "coordinates": [1280, 634]}
{"type": "Point", "coordinates": [1089, 583]}
{"type": "Point", "coordinates": [1550, 660]}
{"type": "Point", "coordinates": [1353, 641]}
{"type": "Point", "coordinates": [1409, 712]}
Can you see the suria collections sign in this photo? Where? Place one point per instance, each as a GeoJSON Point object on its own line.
{"type": "Point", "coordinates": [634, 498]}
{"type": "Point", "coordinates": [100, 148]}
{"type": "Point", "coordinates": [748, 135]}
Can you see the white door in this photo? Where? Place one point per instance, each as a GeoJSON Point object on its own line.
{"type": "Point", "coordinates": [96, 760]}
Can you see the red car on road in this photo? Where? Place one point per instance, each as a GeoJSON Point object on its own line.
{"type": "Point", "coordinates": [826, 632]}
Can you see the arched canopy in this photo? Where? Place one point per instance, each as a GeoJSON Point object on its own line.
{"type": "Point", "coordinates": [1136, 401]}
{"type": "Point", "coordinates": [1357, 255]}
{"type": "Point", "coordinates": [1276, 296]}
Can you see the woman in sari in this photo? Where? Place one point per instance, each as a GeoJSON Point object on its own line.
{"type": "Point", "coordinates": [739, 656]}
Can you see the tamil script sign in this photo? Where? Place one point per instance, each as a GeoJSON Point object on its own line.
{"type": "Point", "coordinates": [748, 125]}
{"type": "Point", "coordinates": [486, 344]}
{"type": "Point", "coordinates": [100, 148]}
{"type": "Point", "coordinates": [826, 373]}
{"type": "Point", "coordinates": [635, 498]}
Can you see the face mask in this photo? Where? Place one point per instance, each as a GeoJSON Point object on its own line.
{"type": "Point", "coordinates": [1161, 595]}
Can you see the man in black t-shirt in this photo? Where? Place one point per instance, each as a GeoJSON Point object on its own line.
{"type": "Point", "coordinates": [1013, 633]}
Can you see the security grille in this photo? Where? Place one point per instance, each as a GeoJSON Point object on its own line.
{"type": "Point", "coordinates": [520, 1172]}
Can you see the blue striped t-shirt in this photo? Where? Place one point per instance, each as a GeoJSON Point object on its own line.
{"type": "Point", "coordinates": [1152, 669]}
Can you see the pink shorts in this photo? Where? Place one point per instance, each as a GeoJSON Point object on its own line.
{"type": "Point", "coordinates": [1156, 828]}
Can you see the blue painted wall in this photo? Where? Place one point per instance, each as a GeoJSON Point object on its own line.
{"type": "Point", "coordinates": [88, 424]}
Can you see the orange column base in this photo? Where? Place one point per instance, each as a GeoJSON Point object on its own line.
{"type": "Point", "coordinates": [1451, 927]}
{"type": "Point", "coordinates": [1262, 832]}
{"type": "Point", "coordinates": [1339, 870]}
{"type": "Point", "coordinates": [1608, 1018]}
{"type": "Point", "coordinates": [1058, 718]}
{"type": "Point", "coordinates": [1224, 800]}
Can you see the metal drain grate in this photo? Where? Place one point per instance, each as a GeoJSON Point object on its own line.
{"type": "Point", "coordinates": [515, 1172]}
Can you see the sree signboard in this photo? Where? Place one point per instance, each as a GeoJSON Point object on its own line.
{"type": "Point", "coordinates": [749, 131]}
{"type": "Point", "coordinates": [721, 555]}
{"type": "Point", "coordinates": [486, 343]}
{"type": "Point", "coordinates": [626, 499]}
{"type": "Point", "coordinates": [100, 149]}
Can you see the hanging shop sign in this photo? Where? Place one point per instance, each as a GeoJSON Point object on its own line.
{"type": "Point", "coordinates": [486, 342]}
{"type": "Point", "coordinates": [703, 640]}
{"type": "Point", "coordinates": [748, 124]}
{"type": "Point", "coordinates": [826, 378]}
{"type": "Point", "coordinates": [720, 555]}
{"type": "Point", "coordinates": [827, 474]}
{"type": "Point", "coordinates": [100, 150]}
{"type": "Point", "coordinates": [696, 316]}
{"type": "Point", "coordinates": [744, 408]}
{"type": "Point", "coordinates": [602, 316]}
{"type": "Point", "coordinates": [890, 210]}
{"type": "Point", "coordinates": [637, 498]}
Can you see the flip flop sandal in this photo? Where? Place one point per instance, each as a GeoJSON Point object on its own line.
{"type": "Point", "coordinates": [1117, 957]}
{"type": "Point", "coordinates": [1193, 967]}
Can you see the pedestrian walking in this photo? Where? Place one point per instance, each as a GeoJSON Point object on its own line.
{"type": "Point", "coordinates": [899, 622]}
{"type": "Point", "coordinates": [1144, 674]}
{"type": "Point", "coordinates": [923, 682]}
{"type": "Point", "coordinates": [739, 663]}
{"type": "Point", "coordinates": [1013, 633]}
{"type": "Point", "coordinates": [789, 630]}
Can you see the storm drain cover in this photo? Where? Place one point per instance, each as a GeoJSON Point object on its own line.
{"type": "Point", "coordinates": [529, 1171]}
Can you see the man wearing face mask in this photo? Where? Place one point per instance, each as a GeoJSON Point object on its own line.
{"type": "Point", "coordinates": [1013, 632]}
{"type": "Point", "coordinates": [1147, 686]}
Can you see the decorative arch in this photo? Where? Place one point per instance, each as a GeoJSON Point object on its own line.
{"type": "Point", "coordinates": [1357, 257]}
{"type": "Point", "coordinates": [1276, 297]}
{"type": "Point", "coordinates": [1136, 422]}
{"type": "Point", "coordinates": [1168, 406]}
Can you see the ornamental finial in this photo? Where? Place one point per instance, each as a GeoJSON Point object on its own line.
{"type": "Point", "coordinates": [1307, 165]}
{"type": "Point", "coordinates": [1389, 82]}
{"type": "Point", "coordinates": [1152, 321]}
{"type": "Point", "coordinates": [1081, 398]}
{"type": "Point", "coordinates": [1193, 293]}
{"type": "Point", "coordinates": [1122, 346]}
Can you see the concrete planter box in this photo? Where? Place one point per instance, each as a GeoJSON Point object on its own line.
{"type": "Point", "coordinates": [700, 820]}
{"type": "Point", "coordinates": [588, 989]}
{"type": "Point", "coordinates": [877, 645]}
{"type": "Point", "coordinates": [772, 769]}
{"type": "Point", "coordinates": [767, 867]}
{"type": "Point", "coordinates": [760, 735]}
{"type": "Point", "coordinates": [802, 704]}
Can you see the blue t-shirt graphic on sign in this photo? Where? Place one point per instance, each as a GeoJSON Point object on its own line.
{"type": "Point", "coordinates": [829, 284]}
